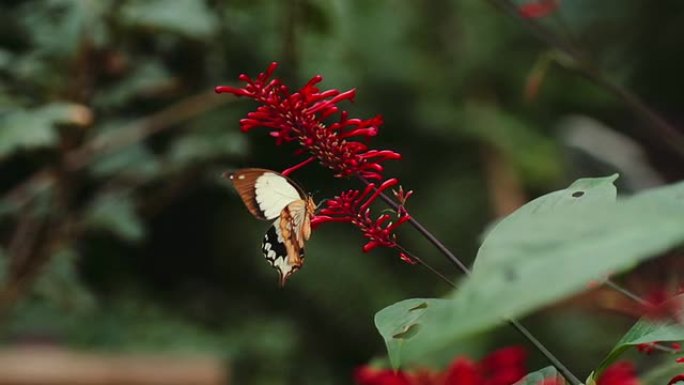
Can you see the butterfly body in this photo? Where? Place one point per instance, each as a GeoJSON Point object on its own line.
{"type": "Point", "coordinates": [269, 195]}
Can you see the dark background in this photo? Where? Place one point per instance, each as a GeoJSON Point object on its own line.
{"type": "Point", "coordinates": [138, 245]}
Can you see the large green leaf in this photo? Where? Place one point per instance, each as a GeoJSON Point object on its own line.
{"type": "Point", "coordinates": [548, 256]}
{"type": "Point", "coordinates": [586, 191]}
{"type": "Point", "coordinates": [646, 330]}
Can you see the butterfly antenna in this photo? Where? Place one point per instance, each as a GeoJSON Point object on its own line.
{"type": "Point", "coordinates": [318, 206]}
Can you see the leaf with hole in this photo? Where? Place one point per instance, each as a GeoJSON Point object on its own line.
{"type": "Point", "coordinates": [400, 322]}
{"type": "Point", "coordinates": [549, 255]}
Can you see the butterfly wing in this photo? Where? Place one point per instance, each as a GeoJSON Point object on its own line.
{"type": "Point", "coordinates": [265, 193]}
{"type": "Point", "coordinates": [277, 254]}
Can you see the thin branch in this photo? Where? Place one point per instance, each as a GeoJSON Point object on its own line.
{"type": "Point", "coordinates": [626, 292]}
{"type": "Point", "coordinates": [427, 266]}
{"type": "Point", "coordinates": [667, 134]}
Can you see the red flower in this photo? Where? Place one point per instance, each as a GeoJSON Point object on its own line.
{"type": "Point", "coordinates": [368, 376]}
{"type": "Point", "coordinates": [463, 371]}
{"type": "Point", "coordinates": [302, 116]}
{"type": "Point", "coordinates": [353, 206]}
{"type": "Point", "coordinates": [676, 379]}
{"type": "Point", "coordinates": [502, 367]}
{"type": "Point", "coordinates": [620, 373]}
{"type": "Point", "coordinates": [646, 347]}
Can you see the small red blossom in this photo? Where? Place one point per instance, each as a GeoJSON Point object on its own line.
{"type": "Point", "coordinates": [646, 348]}
{"type": "Point", "coordinates": [679, 360]}
{"type": "Point", "coordinates": [353, 206]}
{"type": "Point", "coordinates": [538, 8]}
{"type": "Point", "coordinates": [620, 373]}
{"type": "Point", "coordinates": [677, 347]}
{"type": "Point", "coordinates": [504, 366]}
{"type": "Point", "coordinates": [301, 116]}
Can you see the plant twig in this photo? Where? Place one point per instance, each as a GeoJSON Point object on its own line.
{"type": "Point", "coordinates": [667, 134]}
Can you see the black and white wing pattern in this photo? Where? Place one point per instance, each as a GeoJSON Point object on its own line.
{"type": "Point", "coordinates": [276, 253]}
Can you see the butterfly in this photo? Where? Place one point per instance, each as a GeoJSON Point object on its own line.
{"type": "Point", "coordinates": [271, 196]}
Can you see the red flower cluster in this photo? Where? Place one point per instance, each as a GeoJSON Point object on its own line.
{"type": "Point", "coordinates": [301, 117]}
{"type": "Point", "coordinates": [502, 367]}
{"type": "Point", "coordinates": [350, 207]}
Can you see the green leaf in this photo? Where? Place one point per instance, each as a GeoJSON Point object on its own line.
{"type": "Point", "coordinates": [116, 213]}
{"type": "Point", "coordinates": [29, 129]}
{"type": "Point", "coordinates": [191, 18]}
{"type": "Point", "coordinates": [398, 323]}
{"type": "Point", "coordinates": [645, 331]}
{"type": "Point", "coordinates": [548, 256]}
{"type": "Point", "coordinates": [586, 191]}
{"type": "Point", "coordinates": [539, 377]}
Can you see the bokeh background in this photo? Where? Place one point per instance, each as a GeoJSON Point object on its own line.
{"type": "Point", "coordinates": [118, 235]}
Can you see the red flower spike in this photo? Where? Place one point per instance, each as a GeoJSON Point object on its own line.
{"type": "Point", "coordinates": [676, 346]}
{"type": "Point", "coordinates": [353, 206]}
{"type": "Point", "coordinates": [299, 117]}
{"type": "Point", "coordinates": [680, 360]}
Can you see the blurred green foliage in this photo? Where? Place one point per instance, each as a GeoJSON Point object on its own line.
{"type": "Point", "coordinates": [134, 242]}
